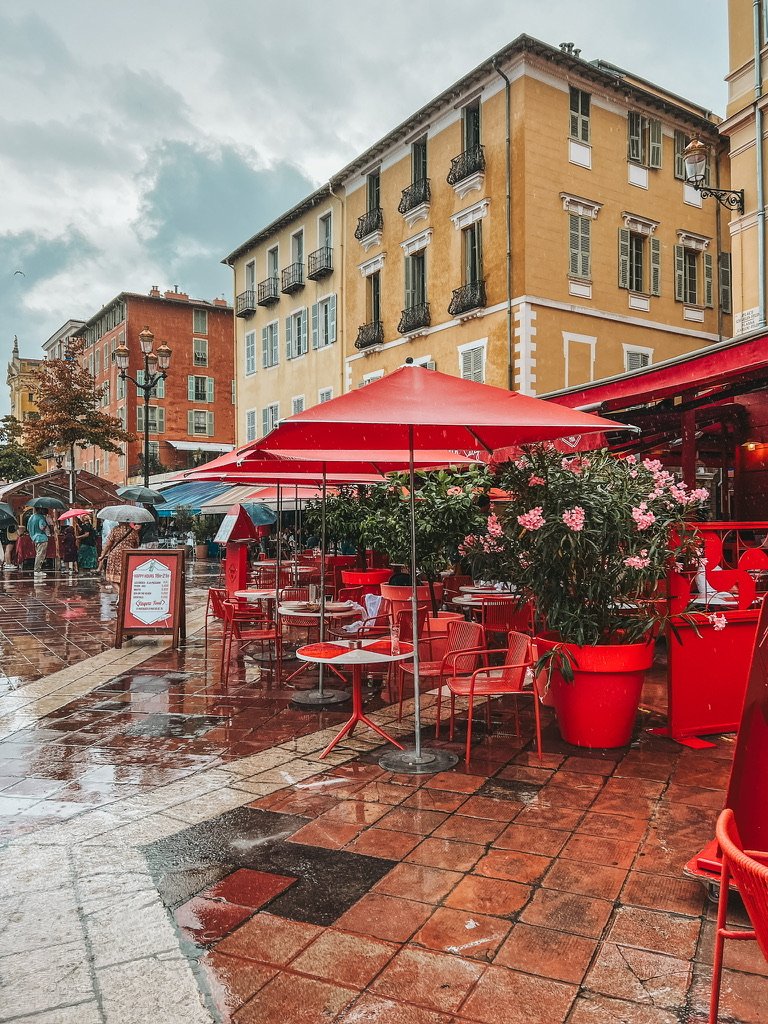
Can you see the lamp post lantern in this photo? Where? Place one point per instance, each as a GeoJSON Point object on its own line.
{"type": "Point", "coordinates": [695, 156]}
{"type": "Point", "coordinates": [156, 365]}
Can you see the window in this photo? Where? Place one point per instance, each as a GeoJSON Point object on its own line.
{"type": "Point", "coordinates": [297, 247]}
{"type": "Point", "coordinates": [96, 361]}
{"type": "Point", "coordinates": [644, 140]}
{"type": "Point", "coordinates": [156, 419]}
{"type": "Point", "coordinates": [120, 387]}
{"type": "Point", "coordinates": [250, 353]}
{"type": "Point", "coordinates": [297, 404]}
{"type": "Point", "coordinates": [724, 269]}
{"type": "Point", "coordinates": [373, 191]}
{"type": "Point", "coordinates": [579, 262]}
{"type": "Point", "coordinates": [272, 262]}
{"type": "Point", "coordinates": [419, 160]}
{"type": "Point", "coordinates": [250, 276]}
{"type": "Point", "coordinates": [415, 280]}
{"type": "Point", "coordinates": [270, 339]}
{"type": "Point", "coordinates": [373, 297]}
{"type": "Point", "coordinates": [200, 351]}
{"type": "Point", "coordinates": [200, 423]}
{"type": "Point", "coordinates": [200, 389]}
{"type": "Point", "coordinates": [270, 415]}
{"type": "Point", "coordinates": [324, 395]}
{"type": "Point", "coordinates": [693, 276]}
{"type": "Point", "coordinates": [369, 378]}
{"type": "Point", "coordinates": [472, 245]}
{"type": "Point", "coordinates": [233, 392]}
{"type": "Point", "coordinates": [250, 425]}
{"type": "Point", "coordinates": [636, 358]}
{"type": "Point", "coordinates": [639, 262]}
{"type": "Point", "coordinates": [121, 415]}
{"type": "Point", "coordinates": [158, 391]}
{"type": "Point", "coordinates": [470, 123]}
{"type": "Point", "coordinates": [579, 127]}
{"type": "Point", "coordinates": [325, 232]}
{"type": "Point", "coordinates": [472, 362]}
{"type": "Point", "coordinates": [324, 322]}
{"type": "Point", "coordinates": [199, 321]}
{"type": "Point", "coordinates": [296, 334]}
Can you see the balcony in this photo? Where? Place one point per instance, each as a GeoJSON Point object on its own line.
{"type": "Point", "coordinates": [369, 228]}
{"type": "Point", "coordinates": [467, 171]}
{"type": "Point", "coordinates": [245, 303]}
{"type": "Point", "coordinates": [467, 298]}
{"type": "Point", "coordinates": [414, 319]}
{"type": "Point", "coordinates": [414, 204]}
{"type": "Point", "coordinates": [320, 263]}
{"type": "Point", "coordinates": [370, 334]}
{"type": "Point", "coordinates": [293, 278]}
{"type": "Point", "coordinates": [268, 291]}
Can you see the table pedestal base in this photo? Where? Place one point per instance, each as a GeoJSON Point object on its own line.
{"type": "Point", "coordinates": [406, 762]}
{"type": "Point", "coordinates": [318, 699]}
{"type": "Point", "coordinates": [358, 715]}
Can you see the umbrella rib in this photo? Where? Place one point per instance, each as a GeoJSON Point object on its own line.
{"type": "Point", "coordinates": [480, 440]}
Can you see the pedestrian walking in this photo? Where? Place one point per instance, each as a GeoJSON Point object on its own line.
{"type": "Point", "coordinates": [68, 549]}
{"type": "Point", "coordinates": [85, 537]}
{"type": "Point", "coordinates": [25, 550]}
{"type": "Point", "coordinates": [40, 532]}
{"type": "Point", "coordinates": [11, 536]}
{"type": "Point", "coordinates": [123, 537]}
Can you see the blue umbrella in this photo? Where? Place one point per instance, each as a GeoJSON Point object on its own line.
{"type": "Point", "coordinates": [260, 514]}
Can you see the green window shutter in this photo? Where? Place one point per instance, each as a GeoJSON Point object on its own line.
{"type": "Point", "coordinates": [708, 290]}
{"type": "Point", "coordinates": [655, 266]}
{"type": "Point", "coordinates": [304, 346]}
{"type": "Point", "coordinates": [332, 319]}
{"type": "Point", "coordinates": [140, 418]}
{"type": "Point", "coordinates": [160, 421]}
{"type": "Point", "coordinates": [264, 421]}
{"type": "Point", "coordinates": [264, 347]}
{"type": "Point", "coordinates": [479, 246]}
{"type": "Point", "coordinates": [573, 245]}
{"type": "Point", "coordinates": [409, 300]}
{"type": "Point", "coordinates": [190, 422]}
{"type": "Point", "coordinates": [681, 141]}
{"type": "Point", "coordinates": [210, 388]}
{"type": "Point", "coordinates": [288, 338]}
{"type": "Point", "coordinates": [466, 364]}
{"type": "Point", "coordinates": [209, 416]}
{"type": "Point", "coordinates": [275, 344]}
{"type": "Point", "coordinates": [679, 273]}
{"type": "Point", "coordinates": [655, 147]}
{"type": "Point", "coordinates": [315, 326]}
{"type": "Point", "coordinates": [191, 388]}
{"type": "Point", "coordinates": [623, 257]}
{"type": "Point", "coordinates": [585, 261]}
{"type": "Point", "coordinates": [724, 268]}
{"type": "Point", "coordinates": [634, 137]}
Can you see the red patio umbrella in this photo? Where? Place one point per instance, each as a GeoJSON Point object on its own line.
{"type": "Point", "coordinates": [413, 409]}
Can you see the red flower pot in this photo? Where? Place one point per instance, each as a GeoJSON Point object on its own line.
{"type": "Point", "coordinates": [599, 707]}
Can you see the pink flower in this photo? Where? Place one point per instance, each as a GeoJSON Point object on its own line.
{"type": "Point", "coordinates": [640, 561]}
{"type": "Point", "coordinates": [536, 481]}
{"type": "Point", "coordinates": [576, 464]}
{"type": "Point", "coordinates": [453, 491]}
{"type": "Point", "coordinates": [574, 518]}
{"type": "Point", "coordinates": [632, 459]}
{"type": "Point", "coordinates": [718, 621]}
{"type": "Point", "coordinates": [532, 520]}
{"type": "Point", "coordinates": [642, 517]}
{"type": "Point", "coordinates": [699, 494]}
{"type": "Point", "coordinates": [494, 526]}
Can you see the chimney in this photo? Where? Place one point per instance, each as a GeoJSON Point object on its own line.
{"type": "Point", "coordinates": [176, 294]}
{"type": "Point", "coordinates": [220, 302]}
{"type": "Point", "coordinates": [154, 292]}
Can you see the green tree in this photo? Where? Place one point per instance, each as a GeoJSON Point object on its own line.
{"type": "Point", "coordinates": [68, 402]}
{"type": "Point", "coordinates": [16, 460]}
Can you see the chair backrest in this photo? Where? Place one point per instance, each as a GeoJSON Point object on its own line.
{"type": "Point", "coordinates": [500, 614]}
{"type": "Point", "coordinates": [349, 594]}
{"type": "Point", "coordinates": [294, 594]}
{"type": "Point", "coordinates": [404, 621]}
{"type": "Point", "coordinates": [216, 599]}
{"type": "Point", "coordinates": [452, 585]}
{"type": "Point", "coordinates": [517, 661]}
{"type": "Point", "coordinates": [750, 876]}
{"type": "Point", "coordinates": [462, 635]}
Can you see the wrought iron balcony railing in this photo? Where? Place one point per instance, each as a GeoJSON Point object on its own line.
{"type": "Point", "coordinates": [465, 164]}
{"type": "Point", "coordinates": [469, 296]}
{"type": "Point", "coordinates": [415, 195]}
{"type": "Point", "coordinates": [414, 318]}
{"type": "Point", "coordinates": [293, 278]}
{"type": "Point", "coordinates": [245, 303]}
{"type": "Point", "coordinates": [320, 263]}
{"type": "Point", "coordinates": [371, 221]}
{"type": "Point", "coordinates": [268, 291]}
{"type": "Point", "coordinates": [370, 334]}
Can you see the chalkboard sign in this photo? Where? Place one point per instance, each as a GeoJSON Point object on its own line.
{"type": "Point", "coordinates": [225, 529]}
{"type": "Point", "coordinates": [152, 598]}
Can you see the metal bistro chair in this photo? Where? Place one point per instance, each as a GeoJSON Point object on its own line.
{"type": "Point", "coordinates": [245, 626]}
{"type": "Point", "coordinates": [749, 870]}
{"type": "Point", "coordinates": [501, 613]}
{"type": "Point", "coordinates": [462, 636]}
{"type": "Point", "coordinates": [452, 588]}
{"type": "Point", "coordinates": [496, 681]}
{"type": "Point", "coordinates": [214, 608]}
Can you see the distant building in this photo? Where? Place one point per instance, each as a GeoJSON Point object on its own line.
{"type": "Point", "coordinates": [20, 379]}
{"type": "Point", "coordinates": [56, 346]}
{"type": "Point", "coordinates": [192, 412]}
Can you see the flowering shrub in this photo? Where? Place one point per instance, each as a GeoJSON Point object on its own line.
{"type": "Point", "coordinates": [589, 538]}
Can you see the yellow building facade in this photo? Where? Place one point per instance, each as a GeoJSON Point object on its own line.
{"type": "Point", "coordinates": [21, 384]}
{"type": "Point", "coordinates": [530, 227]}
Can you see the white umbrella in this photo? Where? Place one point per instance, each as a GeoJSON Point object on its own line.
{"type": "Point", "coordinates": [125, 514]}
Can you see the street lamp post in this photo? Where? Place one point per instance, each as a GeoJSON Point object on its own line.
{"type": "Point", "coordinates": [156, 365]}
{"type": "Point", "coordinates": [695, 157]}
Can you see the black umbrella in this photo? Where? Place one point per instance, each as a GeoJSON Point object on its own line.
{"type": "Point", "coordinates": [46, 503]}
{"type": "Point", "coordinates": [143, 494]}
{"type": "Point", "coordinates": [7, 510]}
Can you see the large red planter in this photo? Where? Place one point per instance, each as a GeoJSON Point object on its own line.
{"type": "Point", "coordinates": [357, 578]}
{"type": "Point", "coordinates": [599, 707]}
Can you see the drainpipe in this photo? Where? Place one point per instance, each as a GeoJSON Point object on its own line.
{"type": "Point", "coordinates": [341, 300]}
{"type": "Point", "coordinates": [759, 166]}
{"type": "Point", "coordinates": [718, 249]}
{"type": "Point", "coordinates": [508, 156]}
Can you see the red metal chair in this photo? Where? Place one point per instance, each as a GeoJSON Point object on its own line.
{"type": "Point", "coordinates": [461, 636]}
{"type": "Point", "coordinates": [749, 871]}
{"type": "Point", "coordinates": [496, 681]}
{"type": "Point", "coordinates": [501, 613]}
{"type": "Point", "coordinates": [294, 594]}
{"type": "Point", "coordinates": [452, 588]}
{"type": "Point", "coordinates": [350, 594]}
{"type": "Point", "coordinates": [214, 608]}
{"type": "Point", "coordinates": [246, 625]}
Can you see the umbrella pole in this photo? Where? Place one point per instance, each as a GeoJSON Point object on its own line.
{"type": "Point", "coordinates": [416, 761]}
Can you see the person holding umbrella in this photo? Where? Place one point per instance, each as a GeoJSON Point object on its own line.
{"type": "Point", "coordinates": [124, 537]}
{"type": "Point", "coordinates": [39, 531]}
{"type": "Point", "coordinates": [85, 536]}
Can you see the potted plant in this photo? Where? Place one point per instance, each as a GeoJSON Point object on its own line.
{"type": "Point", "coordinates": [204, 530]}
{"type": "Point", "coordinates": [590, 538]}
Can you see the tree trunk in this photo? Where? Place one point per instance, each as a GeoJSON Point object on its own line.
{"type": "Point", "coordinates": [72, 476]}
{"type": "Point", "coordinates": [432, 597]}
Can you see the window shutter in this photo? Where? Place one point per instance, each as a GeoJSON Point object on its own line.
{"type": "Point", "coordinates": [409, 291]}
{"type": "Point", "coordinates": [275, 343]}
{"type": "Point", "coordinates": [315, 326]}
{"type": "Point", "coordinates": [304, 345]}
{"type": "Point", "coordinates": [264, 347]}
{"type": "Point", "coordinates": [288, 338]}
{"type": "Point", "coordinates": [708, 290]}
{"type": "Point", "coordinates": [584, 268]}
{"type": "Point", "coordinates": [679, 273]}
{"type": "Point", "coordinates": [210, 389]}
{"type": "Point", "coordinates": [634, 137]}
{"type": "Point", "coordinates": [623, 257]}
{"type": "Point", "coordinates": [430, 364]}
{"type": "Point", "coordinates": [724, 267]}
{"type": "Point", "coordinates": [209, 416]}
{"type": "Point", "coordinates": [332, 319]}
{"type": "Point", "coordinates": [655, 266]}
{"type": "Point", "coordinates": [655, 148]}
{"type": "Point", "coordinates": [573, 244]}
{"type": "Point", "coordinates": [466, 364]}
{"type": "Point", "coordinates": [637, 360]}
{"type": "Point", "coordinates": [681, 141]}
{"type": "Point", "coordinates": [139, 418]}
{"type": "Point", "coordinates": [190, 422]}
{"type": "Point", "coordinates": [477, 364]}
{"type": "Point", "coordinates": [479, 246]}
{"type": "Point", "coordinates": [191, 388]}
{"type": "Point", "coordinates": [160, 421]}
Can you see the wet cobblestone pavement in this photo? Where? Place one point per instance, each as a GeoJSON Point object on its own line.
{"type": "Point", "coordinates": [176, 852]}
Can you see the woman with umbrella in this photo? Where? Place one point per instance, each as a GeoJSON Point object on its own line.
{"type": "Point", "coordinates": [124, 536]}
{"type": "Point", "coordinates": [85, 536]}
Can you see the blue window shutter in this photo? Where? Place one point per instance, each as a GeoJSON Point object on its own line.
{"type": "Point", "coordinates": [332, 319]}
{"type": "Point", "coordinates": [264, 347]}
{"type": "Point", "coordinates": [303, 347]}
{"type": "Point", "coordinates": [288, 338]}
{"type": "Point", "coordinates": [315, 326]}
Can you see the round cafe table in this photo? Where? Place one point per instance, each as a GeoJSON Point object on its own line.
{"type": "Point", "coordinates": [347, 652]}
{"type": "Point", "coordinates": [300, 614]}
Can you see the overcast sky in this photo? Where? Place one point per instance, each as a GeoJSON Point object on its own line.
{"type": "Point", "coordinates": [140, 142]}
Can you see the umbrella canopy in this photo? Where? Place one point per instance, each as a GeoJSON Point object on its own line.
{"type": "Point", "coordinates": [416, 408]}
{"type": "Point", "coordinates": [75, 513]}
{"type": "Point", "coordinates": [6, 510]}
{"type": "Point", "coordinates": [259, 514]}
{"type": "Point", "coordinates": [143, 494]}
{"type": "Point", "coordinates": [126, 514]}
{"type": "Point", "coordinates": [46, 503]}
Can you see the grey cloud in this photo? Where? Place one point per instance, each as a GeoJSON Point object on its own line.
{"type": "Point", "coordinates": [30, 48]}
{"type": "Point", "coordinates": [142, 100]}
